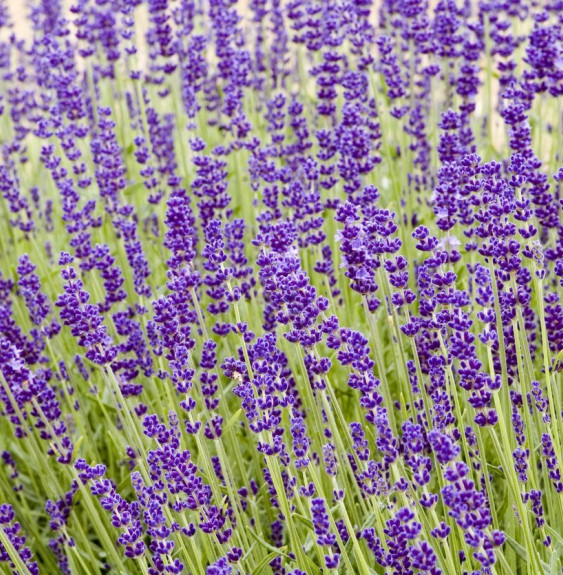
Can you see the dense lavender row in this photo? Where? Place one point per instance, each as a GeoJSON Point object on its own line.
{"type": "Point", "coordinates": [280, 287]}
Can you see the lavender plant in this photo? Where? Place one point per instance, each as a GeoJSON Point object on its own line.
{"type": "Point", "coordinates": [281, 287]}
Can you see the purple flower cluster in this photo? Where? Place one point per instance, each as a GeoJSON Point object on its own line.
{"type": "Point", "coordinates": [310, 313]}
{"type": "Point", "coordinates": [13, 543]}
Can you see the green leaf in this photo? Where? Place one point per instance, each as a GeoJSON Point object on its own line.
{"type": "Point", "coordinates": [555, 534]}
{"type": "Point", "coordinates": [309, 544]}
{"type": "Point", "coordinates": [248, 553]}
{"type": "Point", "coordinates": [496, 471]}
{"type": "Point", "coordinates": [307, 522]}
{"type": "Point", "coordinates": [370, 520]}
{"type": "Point", "coordinates": [523, 553]}
{"type": "Point", "coordinates": [77, 445]}
{"type": "Point", "coordinates": [554, 563]}
{"type": "Point", "coordinates": [277, 550]}
{"type": "Point", "coordinates": [520, 551]}
{"type": "Point", "coordinates": [266, 561]}
{"type": "Point", "coordinates": [234, 418]}
{"type": "Point", "coordinates": [117, 444]}
{"type": "Point", "coordinates": [312, 566]}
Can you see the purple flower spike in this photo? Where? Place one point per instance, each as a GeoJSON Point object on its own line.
{"type": "Point", "coordinates": [12, 531]}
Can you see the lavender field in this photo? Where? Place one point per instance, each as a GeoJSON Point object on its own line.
{"type": "Point", "coordinates": [280, 287]}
